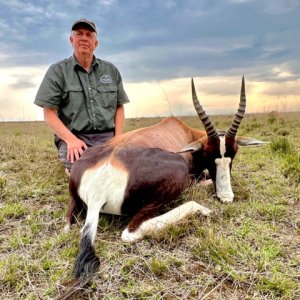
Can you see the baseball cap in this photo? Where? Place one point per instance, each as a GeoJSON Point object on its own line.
{"type": "Point", "coordinates": [85, 23]}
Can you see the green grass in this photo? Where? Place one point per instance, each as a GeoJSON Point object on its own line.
{"type": "Point", "coordinates": [248, 249]}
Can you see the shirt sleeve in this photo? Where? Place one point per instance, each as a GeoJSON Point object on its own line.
{"type": "Point", "coordinates": [122, 96]}
{"type": "Point", "coordinates": [50, 91]}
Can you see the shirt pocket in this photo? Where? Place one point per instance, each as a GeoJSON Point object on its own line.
{"type": "Point", "coordinates": [74, 96]}
{"type": "Point", "coordinates": [107, 95]}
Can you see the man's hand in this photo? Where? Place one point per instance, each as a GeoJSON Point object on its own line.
{"type": "Point", "coordinates": [75, 149]}
{"type": "Point", "coordinates": [75, 146]}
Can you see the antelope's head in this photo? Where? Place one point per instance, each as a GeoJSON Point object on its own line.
{"type": "Point", "coordinates": [216, 150]}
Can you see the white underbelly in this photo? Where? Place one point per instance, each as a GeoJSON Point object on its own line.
{"type": "Point", "coordinates": [104, 187]}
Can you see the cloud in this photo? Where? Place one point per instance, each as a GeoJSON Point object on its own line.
{"type": "Point", "coordinates": [23, 84]}
{"type": "Point", "coordinates": [17, 92]}
{"type": "Point", "coordinates": [217, 94]}
{"type": "Point", "coordinates": [107, 2]}
{"type": "Point", "coordinates": [158, 46]}
{"type": "Point", "coordinates": [288, 88]}
{"type": "Point", "coordinates": [281, 6]}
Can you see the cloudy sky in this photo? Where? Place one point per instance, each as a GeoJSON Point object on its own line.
{"type": "Point", "coordinates": [158, 46]}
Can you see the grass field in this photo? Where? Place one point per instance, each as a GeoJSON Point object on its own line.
{"type": "Point", "coordinates": [249, 249]}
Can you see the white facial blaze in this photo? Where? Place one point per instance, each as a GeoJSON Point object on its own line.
{"type": "Point", "coordinates": [223, 183]}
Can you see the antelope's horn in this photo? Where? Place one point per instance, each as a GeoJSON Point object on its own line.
{"type": "Point", "coordinates": [239, 115]}
{"type": "Point", "coordinates": [208, 125]}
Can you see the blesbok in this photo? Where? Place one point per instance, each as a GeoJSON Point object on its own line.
{"type": "Point", "coordinates": [140, 171]}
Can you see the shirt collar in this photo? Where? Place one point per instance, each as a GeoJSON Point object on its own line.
{"type": "Point", "coordinates": [77, 65]}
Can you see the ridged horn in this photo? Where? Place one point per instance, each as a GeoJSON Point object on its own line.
{"type": "Point", "coordinates": [208, 125]}
{"type": "Point", "coordinates": [239, 115]}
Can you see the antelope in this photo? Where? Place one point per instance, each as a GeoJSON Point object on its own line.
{"type": "Point", "coordinates": [141, 171]}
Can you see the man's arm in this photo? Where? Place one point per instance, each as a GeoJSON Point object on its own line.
{"type": "Point", "coordinates": [119, 120]}
{"type": "Point", "coordinates": [75, 146]}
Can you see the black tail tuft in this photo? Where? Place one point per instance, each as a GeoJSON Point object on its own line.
{"type": "Point", "coordinates": [87, 262]}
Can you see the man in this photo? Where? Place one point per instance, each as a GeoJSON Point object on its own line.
{"type": "Point", "coordinates": [82, 97]}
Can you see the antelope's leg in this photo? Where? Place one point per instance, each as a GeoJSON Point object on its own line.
{"type": "Point", "coordinates": [161, 222]}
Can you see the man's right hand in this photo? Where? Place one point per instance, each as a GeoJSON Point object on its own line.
{"type": "Point", "coordinates": [75, 149]}
{"type": "Point", "coordinates": [75, 146]}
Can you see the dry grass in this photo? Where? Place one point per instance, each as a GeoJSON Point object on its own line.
{"type": "Point", "coordinates": [247, 250]}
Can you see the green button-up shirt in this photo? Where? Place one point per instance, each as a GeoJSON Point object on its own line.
{"type": "Point", "coordinates": [85, 101]}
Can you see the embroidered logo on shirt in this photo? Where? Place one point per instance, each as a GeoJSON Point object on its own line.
{"type": "Point", "coordinates": [105, 79]}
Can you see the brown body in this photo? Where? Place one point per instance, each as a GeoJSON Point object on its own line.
{"type": "Point", "coordinates": [130, 151]}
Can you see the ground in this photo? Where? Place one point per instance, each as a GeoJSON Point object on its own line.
{"type": "Point", "coordinates": [248, 249]}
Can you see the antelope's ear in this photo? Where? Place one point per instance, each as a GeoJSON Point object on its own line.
{"type": "Point", "coordinates": [245, 141]}
{"type": "Point", "coordinates": [192, 147]}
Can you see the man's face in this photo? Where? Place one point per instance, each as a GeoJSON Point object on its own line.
{"type": "Point", "coordinates": [84, 41]}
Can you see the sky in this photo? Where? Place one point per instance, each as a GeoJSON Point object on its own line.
{"type": "Point", "coordinates": [158, 46]}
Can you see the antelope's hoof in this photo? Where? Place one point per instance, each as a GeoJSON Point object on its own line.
{"type": "Point", "coordinates": [130, 237]}
{"type": "Point", "coordinates": [206, 211]}
{"type": "Point", "coordinates": [226, 200]}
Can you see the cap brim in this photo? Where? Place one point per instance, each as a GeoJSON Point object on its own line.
{"type": "Point", "coordinates": [83, 25]}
